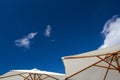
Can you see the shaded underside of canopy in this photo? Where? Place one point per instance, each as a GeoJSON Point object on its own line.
{"type": "Point", "coordinates": [102, 64]}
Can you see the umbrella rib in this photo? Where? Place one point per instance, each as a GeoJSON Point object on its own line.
{"type": "Point", "coordinates": [87, 68]}
{"type": "Point", "coordinates": [108, 68]}
{"type": "Point", "coordinates": [104, 67]}
{"type": "Point", "coordinates": [27, 77]}
{"type": "Point", "coordinates": [117, 62]}
{"type": "Point", "coordinates": [44, 78]}
{"type": "Point", "coordinates": [30, 74]}
{"type": "Point", "coordinates": [34, 76]}
{"type": "Point", "coordinates": [24, 77]}
{"type": "Point", "coordinates": [39, 77]}
{"type": "Point", "coordinates": [76, 57]}
{"type": "Point", "coordinates": [107, 62]}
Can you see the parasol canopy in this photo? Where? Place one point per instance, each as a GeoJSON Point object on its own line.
{"type": "Point", "coordinates": [102, 64]}
{"type": "Point", "coordinates": [33, 74]}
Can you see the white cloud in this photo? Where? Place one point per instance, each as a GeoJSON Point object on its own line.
{"type": "Point", "coordinates": [111, 31]}
{"type": "Point", "coordinates": [25, 41]}
{"type": "Point", "coordinates": [47, 32]}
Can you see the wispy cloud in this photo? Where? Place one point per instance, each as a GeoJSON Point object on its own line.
{"type": "Point", "coordinates": [111, 31]}
{"type": "Point", "coordinates": [25, 41]}
{"type": "Point", "coordinates": [47, 32]}
{"type": "Point", "coordinates": [52, 40]}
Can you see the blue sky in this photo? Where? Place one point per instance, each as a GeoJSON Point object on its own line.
{"type": "Point", "coordinates": [37, 33]}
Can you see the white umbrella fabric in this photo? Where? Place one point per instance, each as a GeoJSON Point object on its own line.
{"type": "Point", "coordinates": [33, 74]}
{"type": "Point", "coordinates": [102, 64]}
